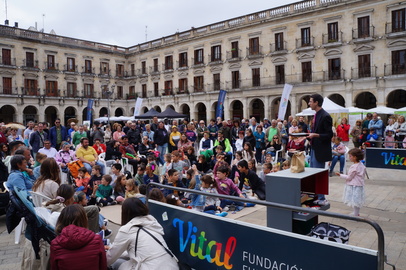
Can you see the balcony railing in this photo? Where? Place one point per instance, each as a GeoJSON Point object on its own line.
{"type": "Point", "coordinates": [31, 91]}
{"type": "Point", "coordinates": [86, 70]}
{"type": "Point", "coordinates": [154, 70]}
{"type": "Point", "coordinates": [332, 75]}
{"type": "Point", "coordinates": [198, 62]}
{"type": "Point", "coordinates": [50, 67]}
{"type": "Point", "coordinates": [142, 72]}
{"type": "Point", "coordinates": [215, 59]}
{"type": "Point", "coordinates": [397, 69]}
{"type": "Point", "coordinates": [167, 92]}
{"type": "Point", "coordinates": [30, 64]}
{"type": "Point", "coordinates": [7, 61]}
{"type": "Point", "coordinates": [180, 91]}
{"type": "Point", "coordinates": [216, 86]}
{"type": "Point", "coordinates": [279, 48]}
{"type": "Point", "coordinates": [304, 43]}
{"type": "Point", "coordinates": [255, 52]}
{"type": "Point", "coordinates": [52, 92]}
{"type": "Point", "coordinates": [234, 55]}
{"type": "Point", "coordinates": [167, 67]}
{"type": "Point", "coordinates": [366, 72]}
{"type": "Point", "coordinates": [71, 93]}
{"type": "Point", "coordinates": [197, 88]}
{"type": "Point", "coordinates": [8, 91]}
{"type": "Point", "coordinates": [332, 39]}
{"type": "Point", "coordinates": [89, 94]}
{"type": "Point", "coordinates": [120, 73]}
{"type": "Point", "coordinates": [67, 68]}
{"type": "Point", "coordinates": [363, 33]}
{"type": "Point", "coordinates": [182, 65]}
{"type": "Point", "coordinates": [104, 72]}
{"type": "Point", "coordinates": [395, 30]}
{"type": "Point", "coordinates": [132, 96]}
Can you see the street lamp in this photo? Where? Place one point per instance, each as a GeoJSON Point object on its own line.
{"type": "Point", "coordinates": [109, 93]}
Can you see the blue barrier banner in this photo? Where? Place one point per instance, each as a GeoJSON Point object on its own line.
{"type": "Point", "coordinates": [386, 158]}
{"type": "Point", "coordinates": [206, 241]}
{"type": "Point", "coordinates": [89, 109]}
{"type": "Point", "coordinates": [220, 104]}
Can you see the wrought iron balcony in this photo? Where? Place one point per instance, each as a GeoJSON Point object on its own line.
{"type": "Point", "coordinates": [234, 55]}
{"type": "Point", "coordinates": [305, 43]}
{"type": "Point", "coordinates": [254, 52]}
{"type": "Point", "coordinates": [9, 91]}
{"type": "Point", "coordinates": [69, 68]}
{"type": "Point", "coordinates": [31, 91]}
{"type": "Point", "coordinates": [104, 72]}
{"type": "Point", "coordinates": [215, 59]}
{"type": "Point", "coordinates": [51, 67]}
{"type": "Point", "coordinates": [365, 72]}
{"type": "Point", "coordinates": [332, 75]}
{"type": "Point", "coordinates": [88, 70]}
{"type": "Point", "coordinates": [182, 90]}
{"type": "Point", "coordinates": [279, 48]}
{"type": "Point", "coordinates": [182, 65]}
{"type": "Point", "coordinates": [30, 64]}
{"type": "Point", "coordinates": [395, 30]}
{"type": "Point", "coordinates": [154, 70]}
{"type": "Point", "coordinates": [167, 92]}
{"type": "Point", "coordinates": [132, 96]}
{"type": "Point", "coordinates": [7, 61]}
{"type": "Point", "coordinates": [397, 69]}
{"type": "Point", "coordinates": [332, 39]}
{"type": "Point", "coordinates": [198, 62]}
{"type": "Point", "coordinates": [167, 67]}
{"type": "Point", "coordinates": [363, 34]}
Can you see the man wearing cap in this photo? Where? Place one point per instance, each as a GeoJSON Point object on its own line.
{"type": "Point", "coordinates": [201, 129]}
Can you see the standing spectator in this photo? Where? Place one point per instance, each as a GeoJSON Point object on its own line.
{"type": "Point", "coordinates": [320, 138]}
{"type": "Point", "coordinates": [283, 133]}
{"type": "Point", "coordinates": [154, 125]}
{"type": "Point", "coordinates": [235, 129]}
{"type": "Point", "coordinates": [377, 124]}
{"type": "Point", "coordinates": [365, 123]}
{"type": "Point", "coordinates": [97, 133]}
{"type": "Point", "coordinates": [250, 138]}
{"type": "Point", "coordinates": [161, 139]}
{"type": "Point", "coordinates": [213, 129]}
{"type": "Point", "coordinates": [71, 131]}
{"type": "Point", "coordinates": [200, 130]}
{"type": "Point", "coordinates": [108, 134]}
{"type": "Point", "coordinates": [356, 133]}
{"type": "Point", "coordinates": [78, 135]}
{"type": "Point", "coordinates": [342, 131]}
{"type": "Point", "coordinates": [294, 127]}
{"type": "Point", "coordinates": [48, 149]}
{"type": "Point", "coordinates": [391, 125]}
{"type": "Point", "coordinates": [88, 155]}
{"type": "Point", "coordinates": [226, 130]}
{"type": "Point", "coordinates": [302, 123]}
{"type": "Point", "coordinates": [191, 134]}
{"type": "Point", "coordinates": [134, 135]}
{"type": "Point", "coordinates": [400, 129]}
{"type": "Point", "coordinates": [149, 133]}
{"type": "Point", "coordinates": [58, 134]}
{"type": "Point", "coordinates": [118, 133]}
{"type": "Point", "coordinates": [14, 136]}
{"type": "Point", "coordinates": [37, 138]}
{"type": "Point", "coordinates": [260, 143]}
{"type": "Point", "coordinates": [27, 132]}
{"type": "Point", "coordinates": [174, 138]}
{"type": "Point", "coordinates": [272, 131]}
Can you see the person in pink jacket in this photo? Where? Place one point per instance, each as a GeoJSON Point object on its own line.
{"type": "Point", "coordinates": [354, 195]}
{"type": "Point", "coordinates": [342, 131]}
{"type": "Point", "coordinates": [76, 247]}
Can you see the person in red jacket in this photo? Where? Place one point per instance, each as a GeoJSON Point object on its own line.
{"type": "Point", "coordinates": [76, 247]}
{"type": "Point", "coordinates": [342, 131]}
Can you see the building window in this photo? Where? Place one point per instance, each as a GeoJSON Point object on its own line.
{"type": "Point", "coordinates": [156, 89]}
{"type": "Point", "coordinates": [332, 32]}
{"type": "Point", "coordinates": [7, 86]}
{"type": "Point", "coordinates": [399, 62]}
{"type": "Point", "coordinates": [182, 85]}
{"type": "Point", "coordinates": [280, 74]}
{"type": "Point", "coordinates": [216, 53]}
{"type": "Point", "coordinates": [70, 64]}
{"type": "Point", "coordinates": [364, 66]}
{"type": "Point", "coordinates": [132, 67]}
{"type": "Point", "coordinates": [6, 57]}
{"type": "Point", "coordinates": [29, 59]}
{"type": "Point", "coordinates": [88, 90]}
{"type": "Point", "coordinates": [279, 46]}
{"type": "Point", "coordinates": [50, 62]}
{"type": "Point", "coordinates": [199, 58]}
{"type": "Point", "coordinates": [51, 88]}
{"type": "Point", "coordinates": [216, 81]}
{"type": "Point", "coordinates": [306, 39]}
{"type": "Point", "coordinates": [168, 88]}
{"type": "Point", "coordinates": [399, 20]}
{"type": "Point", "coordinates": [131, 92]}
{"type": "Point", "coordinates": [104, 68]}
{"type": "Point", "coordinates": [143, 67]}
{"type": "Point", "coordinates": [156, 68]}
{"type": "Point", "coordinates": [334, 69]}
{"type": "Point", "coordinates": [234, 49]}
{"type": "Point", "coordinates": [119, 92]}
{"type": "Point", "coordinates": [254, 46]}
{"type": "Point", "coordinates": [183, 59]}
{"type": "Point", "coordinates": [168, 62]}
{"type": "Point", "coordinates": [235, 79]}
{"type": "Point", "coordinates": [120, 70]}
{"type": "Point", "coordinates": [71, 89]}
{"type": "Point", "coordinates": [363, 27]}
{"type": "Point", "coordinates": [256, 79]}
{"type": "Point", "coordinates": [88, 66]}
{"type": "Point", "coordinates": [144, 91]}
{"type": "Point", "coordinates": [306, 71]}
{"type": "Point", "coordinates": [30, 87]}
{"type": "Point", "coordinates": [198, 83]}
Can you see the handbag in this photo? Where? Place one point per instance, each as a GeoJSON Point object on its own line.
{"type": "Point", "coordinates": [298, 162]}
{"type": "Point", "coordinates": [330, 232]}
{"type": "Point", "coordinates": [182, 266]}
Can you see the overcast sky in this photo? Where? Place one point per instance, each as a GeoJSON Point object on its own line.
{"type": "Point", "coordinates": [122, 22]}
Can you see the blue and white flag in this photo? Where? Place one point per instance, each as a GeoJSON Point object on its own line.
{"type": "Point", "coordinates": [137, 107]}
{"type": "Point", "coordinates": [220, 104]}
{"type": "Point", "coordinates": [283, 105]}
{"type": "Point", "coordinates": [89, 109]}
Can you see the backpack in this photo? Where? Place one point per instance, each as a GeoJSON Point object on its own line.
{"type": "Point", "coordinates": [74, 167]}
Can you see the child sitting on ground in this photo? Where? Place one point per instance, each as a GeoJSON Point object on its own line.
{"type": "Point", "coordinates": [202, 164]}
{"type": "Point", "coordinates": [95, 179]}
{"type": "Point", "coordinates": [105, 192]}
{"type": "Point", "coordinates": [83, 180]}
{"type": "Point", "coordinates": [251, 179]}
{"type": "Point", "coordinates": [251, 166]}
{"type": "Point", "coordinates": [115, 172]}
{"type": "Point", "coordinates": [139, 176]}
{"type": "Point", "coordinates": [151, 158]}
{"type": "Point", "coordinates": [172, 179]}
{"type": "Point", "coordinates": [266, 168]}
{"type": "Point", "coordinates": [178, 164]}
{"type": "Point", "coordinates": [133, 190]}
{"type": "Point", "coordinates": [286, 165]}
{"type": "Point", "coordinates": [119, 188]}
{"type": "Point", "coordinates": [150, 176]}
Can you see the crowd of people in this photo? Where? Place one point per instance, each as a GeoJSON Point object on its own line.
{"type": "Point", "coordinates": [219, 158]}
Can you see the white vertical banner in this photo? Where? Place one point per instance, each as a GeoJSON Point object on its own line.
{"type": "Point", "coordinates": [137, 107]}
{"type": "Point", "coordinates": [283, 105]}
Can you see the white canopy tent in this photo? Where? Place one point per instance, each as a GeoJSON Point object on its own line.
{"type": "Point", "coordinates": [381, 110]}
{"type": "Point", "coordinates": [328, 105]}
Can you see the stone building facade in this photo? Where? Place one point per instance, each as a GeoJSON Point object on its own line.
{"type": "Point", "coordinates": [351, 51]}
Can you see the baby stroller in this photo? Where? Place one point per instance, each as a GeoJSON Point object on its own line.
{"type": "Point", "coordinates": [21, 206]}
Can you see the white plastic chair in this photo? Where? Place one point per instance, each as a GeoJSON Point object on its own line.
{"type": "Point", "coordinates": [38, 198]}
{"type": "Point", "coordinates": [20, 227]}
{"type": "Point", "coordinates": [102, 159]}
{"type": "Point", "coordinates": [63, 176]}
{"type": "Point", "coordinates": [126, 165]}
{"type": "Point", "coordinates": [345, 159]}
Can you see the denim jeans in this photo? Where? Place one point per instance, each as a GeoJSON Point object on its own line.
{"type": "Point", "coordinates": [334, 161]}
{"type": "Point", "coordinates": [89, 167]}
{"type": "Point", "coordinates": [314, 163]}
{"type": "Point", "coordinates": [162, 151]}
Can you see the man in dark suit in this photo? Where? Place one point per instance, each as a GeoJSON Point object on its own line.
{"type": "Point", "coordinates": [37, 139]}
{"type": "Point", "coordinates": [320, 137]}
{"type": "Point", "coordinates": [58, 134]}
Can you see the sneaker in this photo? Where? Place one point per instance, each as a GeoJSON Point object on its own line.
{"type": "Point", "coordinates": [232, 207]}
{"type": "Point", "coordinates": [226, 209]}
{"type": "Point", "coordinates": [105, 222]}
{"type": "Point", "coordinates": [107, 233]}
{"type": "Point", "coordinates": [331, 174]}
{"type": "Point", "coordinates": [321, 202]}
{"type": "Point", "coordinates": [249, 204]}
{"type": "Point", "coordinates": [239, 208]}
{"type": "Point", "coordinates": [100, 205]}
{"type": "Point", "coordinates": [113, 203]}
{"type": "Point", "coordinates": [222, 214]}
